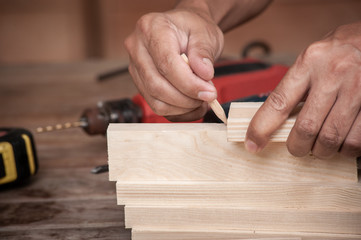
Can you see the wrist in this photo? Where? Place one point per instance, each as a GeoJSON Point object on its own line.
{"type": "Point", "coordinates": [199, 7]}
{"type": "Point", "coordinates": [227, 14]}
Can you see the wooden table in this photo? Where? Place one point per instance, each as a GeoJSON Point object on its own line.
{"type": "Point", "coordinates": [64, 200]}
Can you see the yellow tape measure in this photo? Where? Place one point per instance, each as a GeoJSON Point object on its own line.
{"type": "Point", "coordinates": [18, 161]}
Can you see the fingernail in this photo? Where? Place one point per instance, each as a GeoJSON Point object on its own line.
{"type": "Point", "coordinates": [251, 146]}
{"type": "Point", "coordinates": [207, 96]}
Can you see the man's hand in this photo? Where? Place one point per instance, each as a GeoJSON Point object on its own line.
{"type": "Point", "coordinates": [328, 76]}
{"type": "Point", "coordinates": [171, 87]}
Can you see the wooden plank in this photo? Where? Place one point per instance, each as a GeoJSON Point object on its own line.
{"type": "Point", "coordinates": [243, 218]}
{"type": "Point", "coordinates": [324, 196]}
{"type": "Point", "coordinates": [186, 234]}
{"type": "Point", "coordinates": [239, 117]}
{"type": "Point", "coordinates": [200, 152]}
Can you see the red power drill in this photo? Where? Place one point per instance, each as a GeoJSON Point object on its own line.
{"type": "Point", "coordinates": [233, 80]}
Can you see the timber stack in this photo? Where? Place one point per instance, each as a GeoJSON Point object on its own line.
{"type": "Point", "coordinates": [196, 181]}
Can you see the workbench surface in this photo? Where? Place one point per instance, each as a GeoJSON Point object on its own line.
{"type": "Point", "coordinates": [64, 200]}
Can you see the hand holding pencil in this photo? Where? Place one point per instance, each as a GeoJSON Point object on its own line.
{"type": "Point", "coordinates": [216, 107]}
{"type": "Point", "coordinates": [172, 88]}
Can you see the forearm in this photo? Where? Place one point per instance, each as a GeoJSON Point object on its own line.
{"type": "Point", "coordinates": [227, 14]}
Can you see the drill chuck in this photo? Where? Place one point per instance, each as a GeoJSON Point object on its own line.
{"type": "Point", "coordinates": [118, 111]}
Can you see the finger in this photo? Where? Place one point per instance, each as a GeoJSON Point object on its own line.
{"type": "Point", "coordinates": [336, 126]}
{"type": "Point", "coordinates": [156, 85]}
{"type": "Point", "coordinates": [203, 50]}
{"type": "Point", "coordinates": [277, 107]}
{"type": "Point", "coordinates": [171, 66]}
{"type": "Point", "coordinates": [196, 114]}
{"type": "Point", "coordinates": [310, 120]}
{"type": "Point", "coordinates": [158, 106]}
{"type": "Point", "coordinates": [352, 144]}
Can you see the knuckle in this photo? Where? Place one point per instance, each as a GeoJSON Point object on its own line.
{"type": "Point", "coordinates": [143, 24]}
{"type": "Point", "coordinates": [278, 101]}
{"type": "Point", "coordinates": [307, 128]}
{"type": "Point", "coordinates": [330, 139]}
{"type": "Point", "coordinates": [316, 50]}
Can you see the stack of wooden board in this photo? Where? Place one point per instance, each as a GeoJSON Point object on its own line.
{"type": "Point", "coordinates": [187, 181]}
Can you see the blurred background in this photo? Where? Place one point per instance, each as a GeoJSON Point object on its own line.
{"type": "Point", "coordinates": [39, 31]}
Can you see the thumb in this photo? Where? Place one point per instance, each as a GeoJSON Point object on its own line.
{"type": "Point", "coordinates": [202, 64]}
{"type": "Point", "coordinates": [202, 55]}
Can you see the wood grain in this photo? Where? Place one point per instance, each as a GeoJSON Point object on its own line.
{"type": "Point", "coordinates": [241, 114]}
{"type": "Point", "coordinates": [186, 234]}
{"type": "Point", "coordinates": [243, 218]}
{"type": "Point", "coordinates": [262, 195]}
{"type": "Point", "coordinates": [200, 152]}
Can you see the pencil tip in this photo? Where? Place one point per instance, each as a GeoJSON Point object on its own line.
{"type": "Point", "coordinates": [219, 111]}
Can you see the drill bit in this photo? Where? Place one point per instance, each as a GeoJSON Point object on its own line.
{"type": "Point", "coordinates": [66, 125]}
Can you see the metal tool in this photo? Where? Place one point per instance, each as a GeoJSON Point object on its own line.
{"type": "Point", "coordinates": [96, 120]}
{"type": "Point", "coordinates": [62, 126]}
